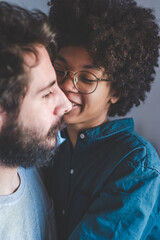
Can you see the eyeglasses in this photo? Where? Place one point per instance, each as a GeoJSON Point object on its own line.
{"type": "Point", "coordinates": [85, 82]}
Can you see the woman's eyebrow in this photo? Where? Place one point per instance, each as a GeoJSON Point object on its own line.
{"type": "Point", "coordinates": [95, 67]}
{"type": "Point", "coordinates": [92, 67]}
{"type": "Point", "coordinates": [61, 59]}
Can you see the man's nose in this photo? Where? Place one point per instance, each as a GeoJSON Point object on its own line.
{"type": "Point", "coordinates": [63, 104]}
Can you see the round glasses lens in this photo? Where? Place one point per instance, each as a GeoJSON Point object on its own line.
{"type": "Point", "coordinates": [86, 83]}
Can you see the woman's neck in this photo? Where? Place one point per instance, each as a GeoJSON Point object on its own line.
{"type": "Point", "coordinates": [72, 133]}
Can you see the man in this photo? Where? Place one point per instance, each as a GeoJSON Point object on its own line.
{"type": "Point", "coordinates": [31, 107]}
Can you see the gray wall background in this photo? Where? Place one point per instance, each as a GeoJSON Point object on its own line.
{"type": "Point", "coordinates": [147, 115]}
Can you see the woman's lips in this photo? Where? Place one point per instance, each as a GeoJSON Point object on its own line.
{"type": "Point", "coordinates": [75, 101]}
{"type": "Point", "coordinates": [75, 105]}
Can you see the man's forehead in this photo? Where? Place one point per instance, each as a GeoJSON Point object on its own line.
{"type": "Point", "coordinates": [40, 69]}
{"type": "Point", "coordinates": [30, 58]}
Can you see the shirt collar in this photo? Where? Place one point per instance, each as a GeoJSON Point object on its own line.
{"type": "Point", "coordinates": [106, 129]}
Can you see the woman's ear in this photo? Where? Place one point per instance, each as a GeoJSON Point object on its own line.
{"type": "Point", "coordinates": [114, 99]}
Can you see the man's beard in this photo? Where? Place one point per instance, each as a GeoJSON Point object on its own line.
{"type": "Point", "coordinates": [20, 146]}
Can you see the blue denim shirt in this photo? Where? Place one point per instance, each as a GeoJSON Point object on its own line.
{"type": "Point", "coordinates": [108, 187]}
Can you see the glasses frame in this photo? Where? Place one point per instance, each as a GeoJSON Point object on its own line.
{"type": "Point", "coordinates": [75, 79]}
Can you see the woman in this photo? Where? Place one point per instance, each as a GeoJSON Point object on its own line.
{"type": "Point", "coordinates": [106, 178]}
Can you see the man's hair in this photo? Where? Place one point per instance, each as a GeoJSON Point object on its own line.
{"type": "Point", "coordinates": [20, 31]}
{"type": "Point", "coordinates": [120, 36]}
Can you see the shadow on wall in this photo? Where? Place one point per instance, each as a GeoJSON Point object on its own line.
{"type": "Point", "coordinates": [147, 115]}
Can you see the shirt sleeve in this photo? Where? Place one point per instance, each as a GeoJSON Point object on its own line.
{"type": "Point", "coordinates": [126, 208]}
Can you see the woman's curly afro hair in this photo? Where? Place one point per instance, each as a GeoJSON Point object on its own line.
{"type": "Point", "coordinates": [120, 36]}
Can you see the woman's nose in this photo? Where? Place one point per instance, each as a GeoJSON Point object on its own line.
{"type": "Point", "coordinates": [68, 83]}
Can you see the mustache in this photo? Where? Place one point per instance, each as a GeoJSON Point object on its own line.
{"type": "Point", "coordinates": [55, 128]}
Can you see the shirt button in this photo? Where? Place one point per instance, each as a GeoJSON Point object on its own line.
{"type": "Point", "coordinates": [71, 171]}
{"type": "Point", "coordinates": [82, 136]}
{"type": "Point", "coordinates": [63, 212]}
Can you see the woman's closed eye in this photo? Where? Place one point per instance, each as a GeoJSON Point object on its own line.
{"type": "Point", "coordinates": [86, 80]}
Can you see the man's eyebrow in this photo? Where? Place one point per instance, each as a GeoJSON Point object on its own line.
{"type": "Point", "coordinates": [95, 67]}
{"type": "Point", "coordinates": [48, 86]}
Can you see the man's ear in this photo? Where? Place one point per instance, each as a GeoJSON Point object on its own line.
{"type": "Point", "coordinates": [2, 117]}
